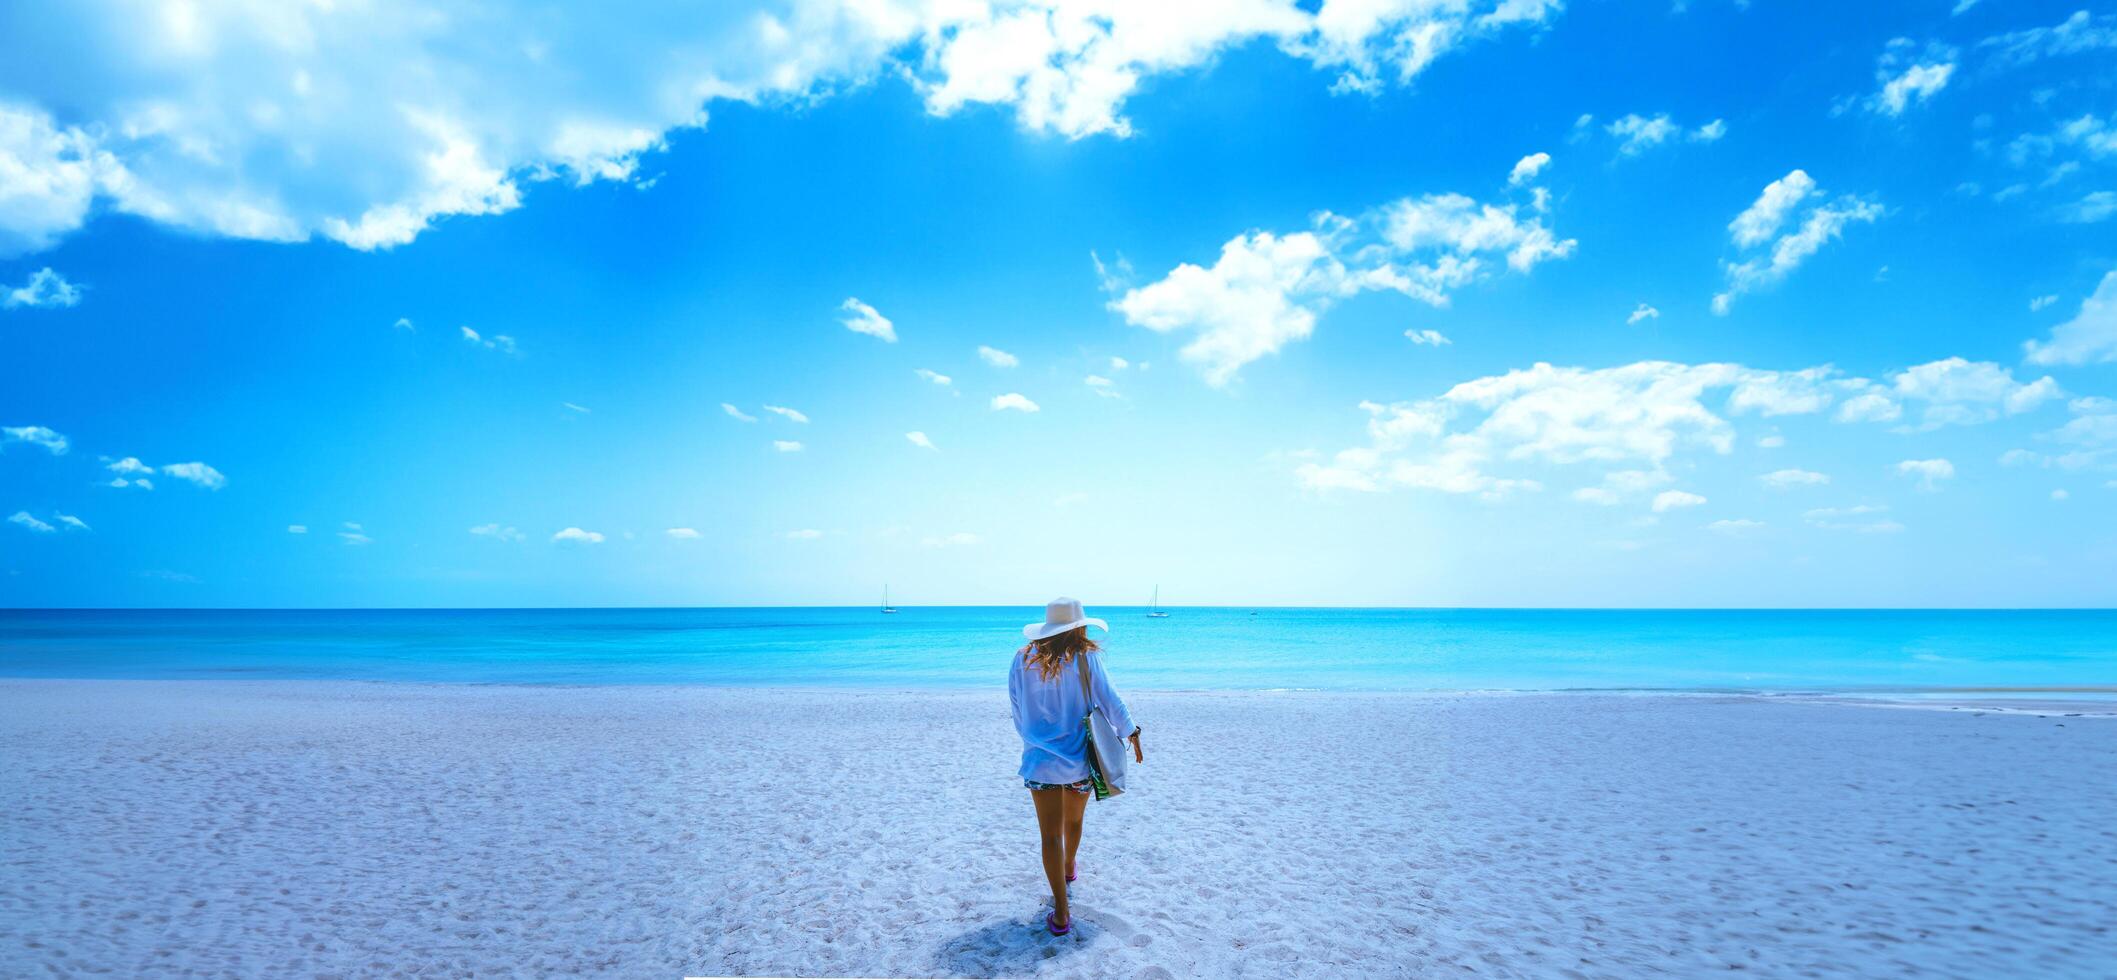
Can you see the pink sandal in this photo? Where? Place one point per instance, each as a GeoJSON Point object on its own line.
{"type": "Point", "coordinates": [1052, 924]}
{"type": "Point", "coordinates": [1069, 876]}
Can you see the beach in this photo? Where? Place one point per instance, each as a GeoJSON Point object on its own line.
{"type": "Point", "coordinates": [336, 828]}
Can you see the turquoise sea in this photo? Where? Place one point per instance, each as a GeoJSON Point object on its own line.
{"type": "Point", "coordinates": [1195, 648]}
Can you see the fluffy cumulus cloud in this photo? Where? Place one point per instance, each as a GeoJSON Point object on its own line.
{"type": "Point", "coordinates": [1929, 473]}
{"type": "Point", "coordinates": [1642, 312]}
{"type": "Point", "coordinates": [934, 377]}
{"type": "Point", "coordinates": [862, 318]}
{"type": "Point", "coordinates": [35, 435]}
{"type": "Point", "coordinates": [1954, 391]}
{"type": "Point", "coordinates": [1526, 169]}
{"type": "Point", "coordinates": [1637, 134]}
{"type": "Point", "coordinates": [211, 117]}
{"type": "Point", "coordinates": [682, 533]}
{"type": "Point", "coordinates": [920, 440]}
{"type": "Point", "coordinates": [1668, 500]}
{"type": "Point", "coordinates": [1764, 218]}
{"type": "Point", "coordinates": [574, 535]}
{"type": "Point", "coordinates": [45, 289]}
{"type": "Point", "coordinates": [1427, 338]}
{"type": "Point", "coordinates": [497, 532]}
{"type": "Point", "coordinates": [198, 473]}
{"type": "Point", "coordinates": [789, 414]}
{"type": "Point", "coordinates": [786, 445]}
{"type": "Point", "coordinates": [2090, 336]}
{"type": "Point", "coordinates": [1013, 402]}
{"type": "Point", "coordinates": [1628, 420]}
{"type": "Point", "coordinates": [1267, 290]}
{"type": "Point", "coordinates": [997, 357]}
{"type": "Point", "coordinates": [1910, 76]}
{"type": "Point", "coordinates": [737, 414]}
{"type": "Point", "coordinates": [1506, 433]}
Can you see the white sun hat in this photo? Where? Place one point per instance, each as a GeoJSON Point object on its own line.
{"type": "Point", "coordinates": [1060, 615]}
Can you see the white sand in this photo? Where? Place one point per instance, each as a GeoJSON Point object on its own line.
{"type": "Point", "coordinates": [293, 828]}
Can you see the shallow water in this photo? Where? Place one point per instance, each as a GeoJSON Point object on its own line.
{"type": "Point", "coordinates": [1195, 648]}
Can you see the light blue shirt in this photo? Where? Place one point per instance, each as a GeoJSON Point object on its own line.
{"type": "Point", "coordinates": [1048, 715]}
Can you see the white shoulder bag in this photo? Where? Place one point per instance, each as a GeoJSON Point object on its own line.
{"type": "Point", "coordinates": [1106, 748]}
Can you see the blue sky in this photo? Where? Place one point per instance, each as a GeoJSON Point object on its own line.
{"type": "Point", "coordinates": [1525, 304]}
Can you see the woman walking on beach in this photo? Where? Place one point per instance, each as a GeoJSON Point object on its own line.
{"type": "Point", "coordinates": [1049, 707]}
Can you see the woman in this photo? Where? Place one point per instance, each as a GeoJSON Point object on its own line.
{"type": "Point", "coordinates": [1045, 687]}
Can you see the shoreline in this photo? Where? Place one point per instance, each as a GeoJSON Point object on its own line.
{"type": "Point", "coordinates": [2091, 701]}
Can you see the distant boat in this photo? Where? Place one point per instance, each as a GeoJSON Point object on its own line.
{"type": "Point", "coordinates": [1154, 611]}
{"type": "Point", "coordinates": [886, 607]}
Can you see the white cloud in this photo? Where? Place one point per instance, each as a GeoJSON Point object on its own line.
{"type": "Point", "coordinates": [45, 288]}
{"type": "Point", "coordinates": [1738, 525]}
{"type": "Point", "coordinates": [1790, 478]}
{"type": "Point", "coordinates": [787, 413]}
{"type": "Point", "coordinates": [1430, 338]}
{"type": "Point", "coordinates": [1266, 290]}
{"type": "Point", "coordinates": [1668, 500]}
{"type": "Point", "coordinates": [1917, 83]}
{"type": "Point", "coordinates": [1771, 442]}
{"type": "Point", "coordinates": [786, 445]}
{"type": "Point", "coordinates": [956, 540]}
{"type": "Point", "coordinates": [1763, 218]}
{"type": "Point", "coordinates": [1870, 407]}
{"type": "Point", "coordinates": [354, 534]}
{"type": "Point", "coordinates": [2040, 302]}
{"type": "Point", "coordinates": [1119, 364]}
{"type": "Point", "coordinates": [682, 533]}
{"type": "Point", "coordinates": [297, 529]}
{"type": "Point", "coordinates": [805, 534]}
{"type": "Point", "coordinates": [2059, 495]}
{"type": "Point", "coordinates": [199, 473]}
{"type": "Point", "coordinates": [425, 116]}
{"type": "Point", "coordinates": [2089, 337]}
{"type": "Point", "coordinates": [2091, 208]}
{"type": "Point", "coordinates": [862, 318]}
{"type": "Point", "coordinates": [1642, 312]}
{"type": "Point", "coordinates": [1013, 401]}
{"type": "Point", "coordinates": [35, 435]}
{"type": "Point", "coordinates": [997, 357]}
{"type": "Point", "coordinates": [25, 519]}
{"type": "Point", "coordinates": [1597, 495]}
{"type": "Point", "coordinates": [737, 414]}
{"type": "Point", "coordinates": [1638, 134]}
{"type": "Point", "coordinates": [1962, 392]}
{"type": "Point", "coordinates": [499, 342]}
{"type": "Point", "coordinates": [1930, 472]}
{"type": "Point", "coordinates": [2077, 34]}
{"type": "Point", "coordinates": [1526, 169]}
{"type": "Point", "coordinates": [497, 533]}
{"type": "Point", "coordinates": [935, 377]}
{"type": "Point", "coordinates": [919, 439]}
{"type": "Point", "coordinates": [1103, 387]}
{"type": "Point", "coordinates": [404, 323]}
{"type": "Point", "coordinates": [1544, 415]}
{"type": "Point", "coordinates": [577, 535]}
{"type": "Point", "coordinates": [577, 409]}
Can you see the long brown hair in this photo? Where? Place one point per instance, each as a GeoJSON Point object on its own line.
{"type": "Point", "coordinates": [1051, 653]}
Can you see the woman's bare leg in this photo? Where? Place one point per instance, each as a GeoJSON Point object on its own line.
{"type": "Point", "coordinates": [1076, 808]}
{"type": "Point", "coordinates": [1050, 823]}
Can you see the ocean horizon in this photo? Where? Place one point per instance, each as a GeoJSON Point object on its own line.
{"type": "Point", "coordinates": [1235, 648]}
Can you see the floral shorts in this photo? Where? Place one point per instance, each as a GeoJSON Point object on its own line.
{"type": "Point", "coordinates": [1080, 787]}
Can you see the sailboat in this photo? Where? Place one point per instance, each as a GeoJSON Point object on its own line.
{"type": "Point", "coordinates": [1154, 611]}
{"type": "Point", "coordinates": [886, 607]}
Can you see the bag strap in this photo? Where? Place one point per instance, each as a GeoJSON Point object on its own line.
{"type": "Point", "coordinates": [1080, 663]}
